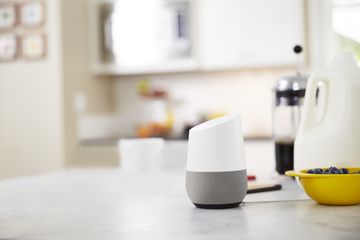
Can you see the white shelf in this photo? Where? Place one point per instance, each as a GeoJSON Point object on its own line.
{"type": "Point", "coordinates": [182, 65]}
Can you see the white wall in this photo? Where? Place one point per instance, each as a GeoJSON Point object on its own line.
{"type": "Point", "coordinates": [31, 140]}
{"type": "Point", "coordinates": [78, 79]}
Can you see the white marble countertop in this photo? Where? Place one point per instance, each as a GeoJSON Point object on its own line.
{"type": "Point", "coordinates": [107, 204]}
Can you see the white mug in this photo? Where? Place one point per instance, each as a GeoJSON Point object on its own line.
{"type": "Point", "coordinates": [141, 154]}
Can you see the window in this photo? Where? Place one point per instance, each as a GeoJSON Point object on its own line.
{"type": "Point", "coordinates": [346, 24]}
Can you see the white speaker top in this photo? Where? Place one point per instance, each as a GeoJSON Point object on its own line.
{"type": "Point", "coordinates": [217, 146]}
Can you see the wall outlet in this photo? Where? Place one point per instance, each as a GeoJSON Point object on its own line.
{"type": "Point", "coordinates": [80, 103]}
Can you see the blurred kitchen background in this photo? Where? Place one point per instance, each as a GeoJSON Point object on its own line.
{"type": "Point", "coordinates": [77, 76]}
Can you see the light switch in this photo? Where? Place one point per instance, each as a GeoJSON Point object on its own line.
{"type": "Point", "coordinates": [33, 46]}
{"type": "Point", "coordinates": [7, 16]}
{"type": "Point", "coordinates": [32, 13]}
{"type": "Point", "coordinates": [8, 47]}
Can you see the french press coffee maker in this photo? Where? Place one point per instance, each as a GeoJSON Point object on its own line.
{"type": "Point", "coordinates": [289, 93]}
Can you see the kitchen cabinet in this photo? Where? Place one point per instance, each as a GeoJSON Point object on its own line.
{"type": "Point", "coordinates": [141, 36]}
{"type": "Point", "coordinates": [192, 35]}
{"type": "Point", "coordinates": [241, 33]}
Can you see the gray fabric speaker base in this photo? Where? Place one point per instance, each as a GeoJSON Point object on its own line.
{"type": "Point", "coordinates": [216, 189]}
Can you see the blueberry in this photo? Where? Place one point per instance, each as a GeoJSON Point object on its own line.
{"type": "Point", "coordinates": [331, 170]}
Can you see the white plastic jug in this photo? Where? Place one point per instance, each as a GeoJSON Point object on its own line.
{"type": "Point", "coordinates": [329, 131]}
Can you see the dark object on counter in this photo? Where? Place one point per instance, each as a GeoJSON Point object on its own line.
{"type": "Point", "coordinates": [217, 206]}
{"type": "Point", "coordinates": [284, 156]}
{"type": "Point", "coordinates": [257, 188]}
{"type": "Point", "coordinates": [289, 93]}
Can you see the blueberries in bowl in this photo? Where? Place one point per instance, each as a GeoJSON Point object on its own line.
{"type": "Point", "coordinates": [330, 170]}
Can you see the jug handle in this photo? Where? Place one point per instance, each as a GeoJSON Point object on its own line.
{"type": "Point", "coordinates": [309, 115]}
{"type": "Point", "coordinates": [322, 99]}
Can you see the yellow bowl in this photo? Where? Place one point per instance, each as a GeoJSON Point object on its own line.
{"type": "Point", "coordinates": [330, 189]}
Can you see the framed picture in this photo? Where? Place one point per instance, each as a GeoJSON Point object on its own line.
{"type": "Point", "coordinates": [8, 16]}
{"type": "Point", "coordinates": [33, 46]}
{"type": "Point", "coordinates": [8, 47]}
{"type": "Point", "coordinates": [32, 13]}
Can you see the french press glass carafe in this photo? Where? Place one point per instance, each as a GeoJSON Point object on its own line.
{"type": "Point", "coordinates": [289, 94]}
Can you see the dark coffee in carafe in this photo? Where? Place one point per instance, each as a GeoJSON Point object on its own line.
{"type": "Point", "coordinates": [284, 155]}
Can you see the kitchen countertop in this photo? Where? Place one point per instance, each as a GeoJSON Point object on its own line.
{"type": "Point", "coordinates": [107, 204]}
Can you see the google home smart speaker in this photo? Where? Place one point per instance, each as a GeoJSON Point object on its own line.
{"type": "Point", "coordinates": [216, 169]}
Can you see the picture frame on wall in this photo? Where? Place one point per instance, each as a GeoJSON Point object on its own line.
{"type": "Point", "coordinates": [32, 13]}
{"type": "Point", "coordinates": [8, 16]}
{"type": "Point", "coordinates": [9, 47]}
{"type": "Point", "coordinates": [33, 46]}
